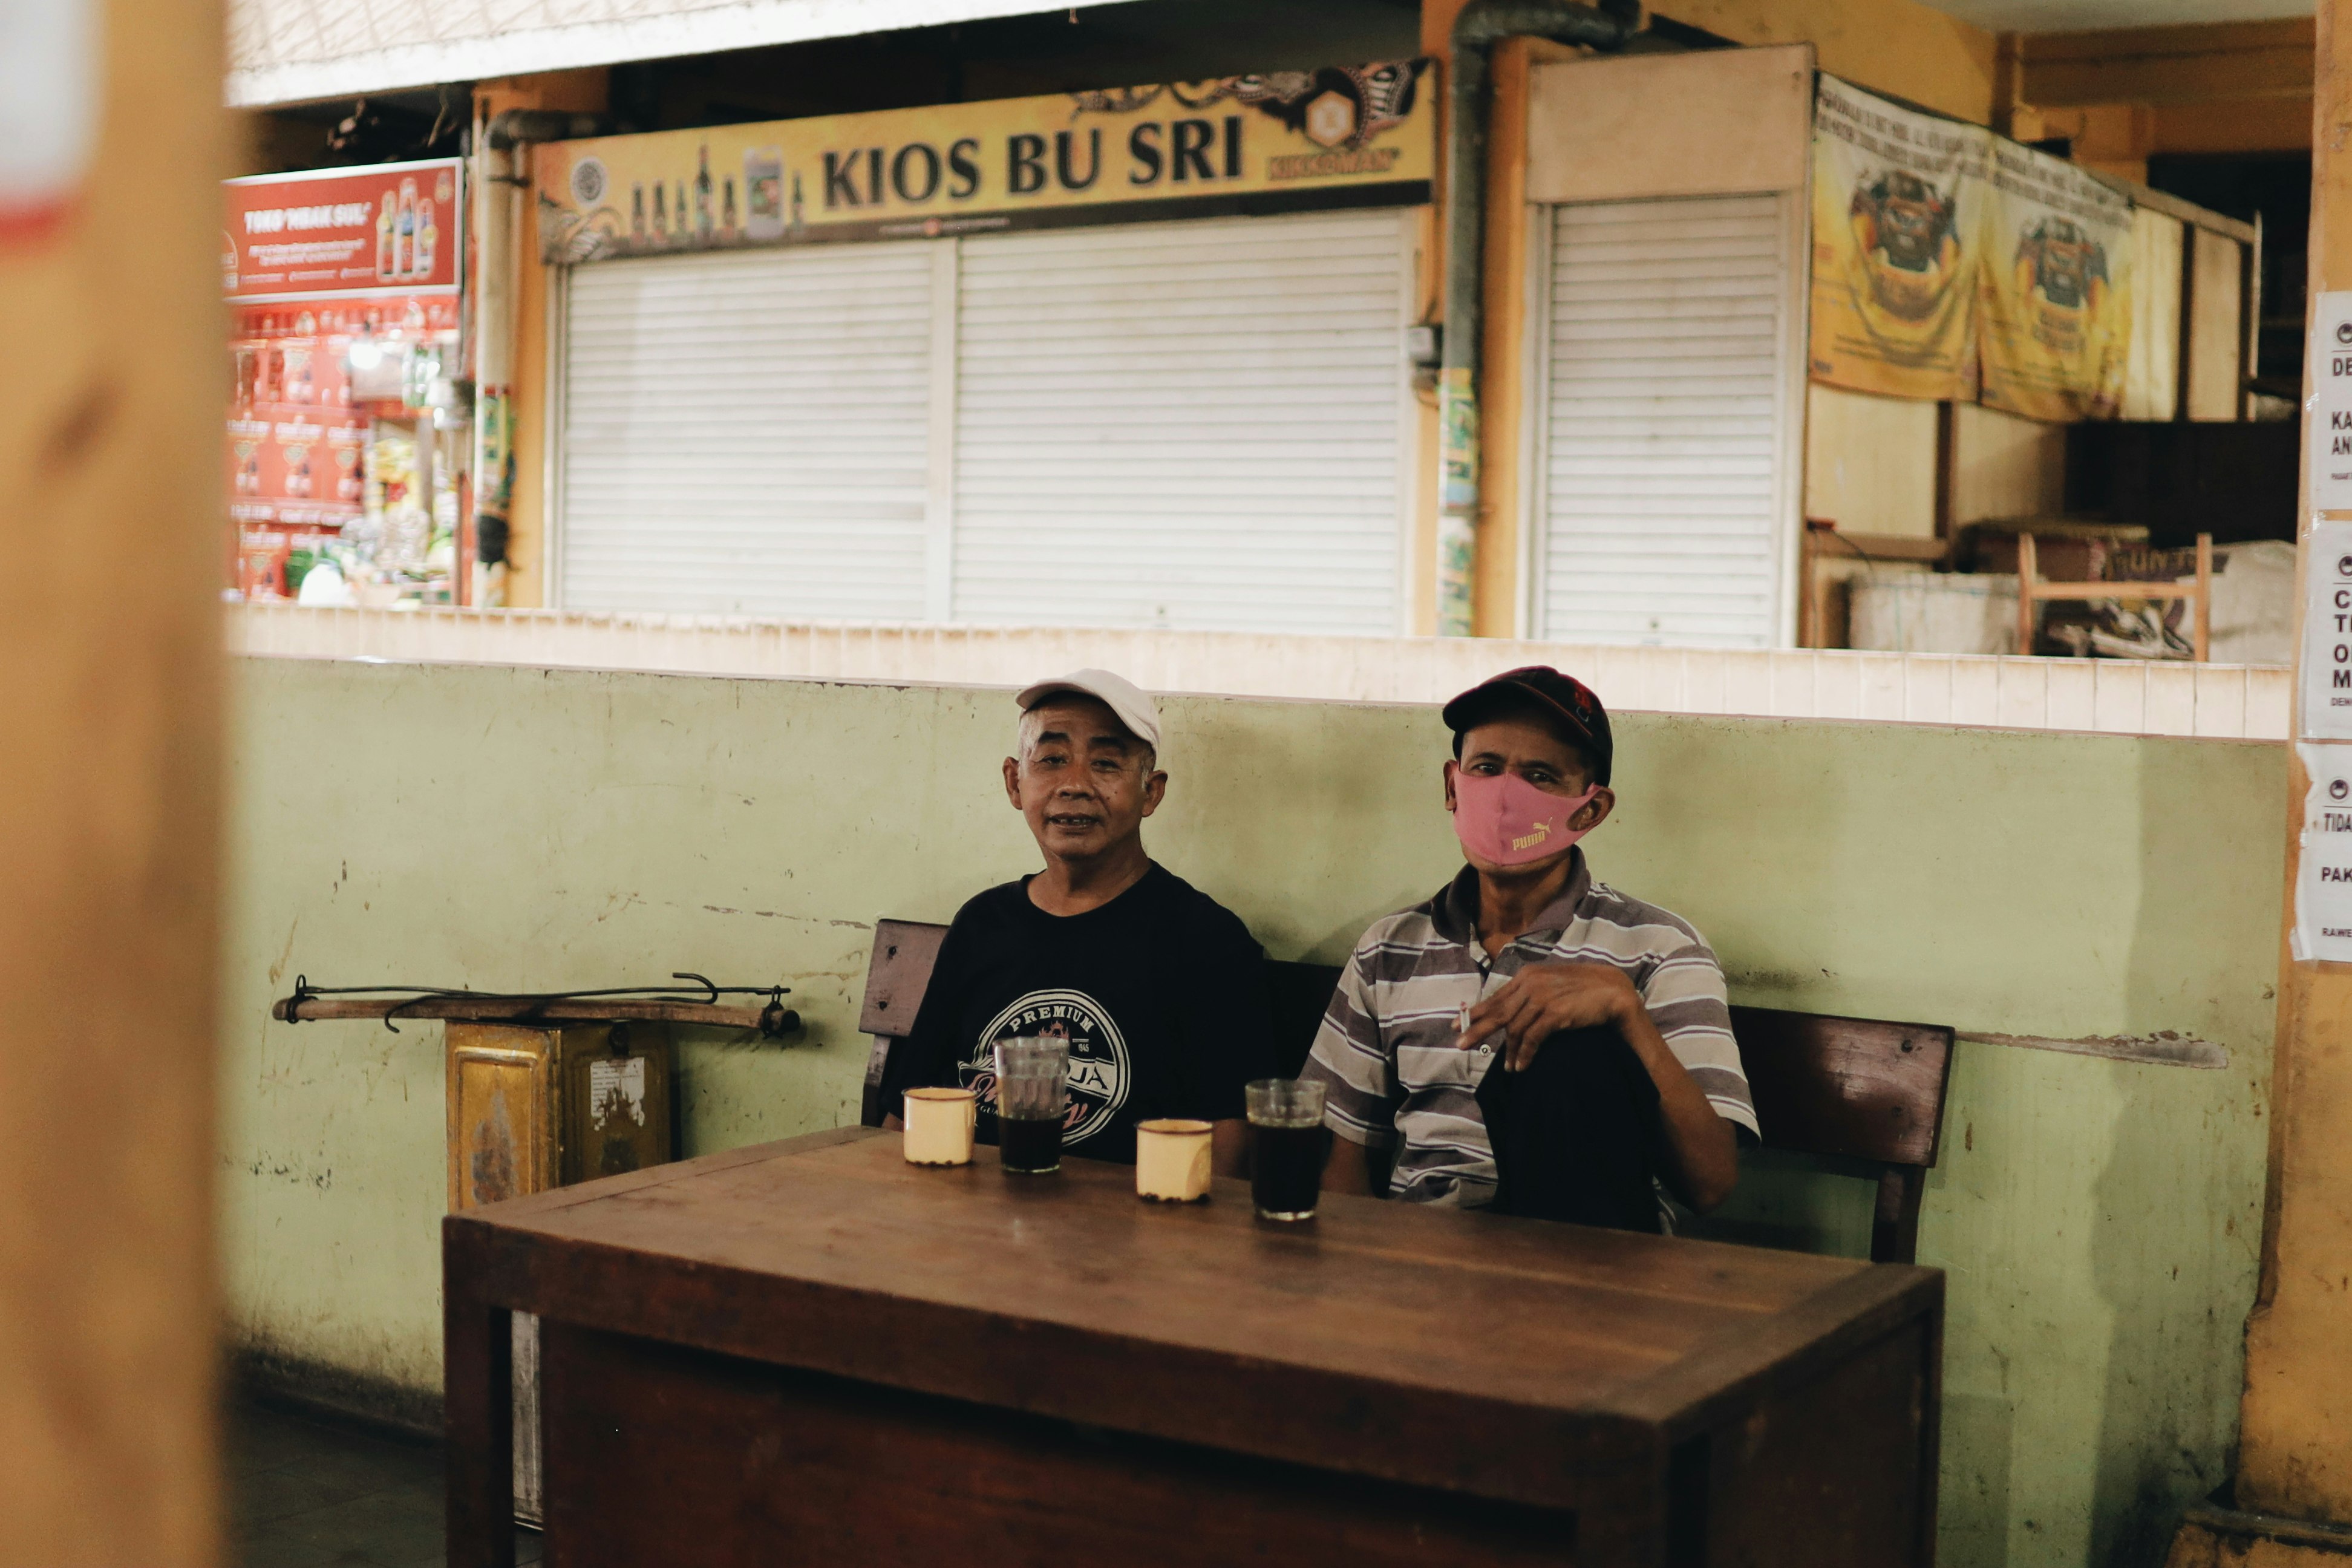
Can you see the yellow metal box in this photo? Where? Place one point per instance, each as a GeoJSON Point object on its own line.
{"type": "Point", "coordinates": [533, 1108]}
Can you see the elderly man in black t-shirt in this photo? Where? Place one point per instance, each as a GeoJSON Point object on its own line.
{"type": "Point", "coordinates": [1159, 990]}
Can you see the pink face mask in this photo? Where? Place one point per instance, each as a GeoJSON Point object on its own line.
{"type": "Point", "coordinates": [1502, 818]}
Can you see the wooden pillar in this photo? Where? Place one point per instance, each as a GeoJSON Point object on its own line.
{"type": "Point", "coordinates": [2295, 1453]}
{"type": "Point", "coordinates": [526, 585]}
{"type": "Point", "coordinates": [111, 459]}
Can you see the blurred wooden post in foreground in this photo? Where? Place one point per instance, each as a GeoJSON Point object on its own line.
{"type": "Point", "coordinates": [2291, 1506]}
{"type": "Point", "coordinates": [111, 557]}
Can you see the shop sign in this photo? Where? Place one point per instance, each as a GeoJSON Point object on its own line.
{"type": "Point", "coordinates": [372, 232]}
{"type": "Point", "coordinates": [1286, 139]}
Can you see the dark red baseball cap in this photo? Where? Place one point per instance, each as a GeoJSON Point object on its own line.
{"type": "Point", "coordinates": [1563, 699]}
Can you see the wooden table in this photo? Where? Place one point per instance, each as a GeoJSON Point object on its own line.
{"type": "Point", "coordinates": [813, 1352]}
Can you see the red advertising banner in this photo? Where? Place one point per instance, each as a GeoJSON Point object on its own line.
{"type": "Point", "coordinates": [384, 229]}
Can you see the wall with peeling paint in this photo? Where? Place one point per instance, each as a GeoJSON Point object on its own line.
{"type": "Point", "coordinates": [529, 828]}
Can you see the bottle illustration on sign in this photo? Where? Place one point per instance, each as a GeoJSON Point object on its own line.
{"type": "Point", "coordinates": [727, 212]}
{"type": "Point", "coordinates": [429, 237]}
{"type": "Point", "coordinates": [703, 218]}
{"type": "Point", "coordinates": [685, 223]}
{"type": "Point", "coordinates": [383, 227]}
{"type": "Point", "coordinates": [763, 194]}
{"type": "Point", "coordinates": [404, 233]}
{"type": "Point", "coordinates": [799, 223]}
{"type": "Point", "coordinates": [638, 212]}
{"type": "Point", "coordinates": [661, 213]}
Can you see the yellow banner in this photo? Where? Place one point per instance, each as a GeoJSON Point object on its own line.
{"type": "Point", "coordinates": [1896, 200]}
{"type": "Point", "coordinates": [1342, 136]}
{"type": "Point", "coordinates": [2056, 288]}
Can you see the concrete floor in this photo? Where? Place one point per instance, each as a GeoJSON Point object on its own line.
{"type": "Point", "coordinates": [306, 1493]}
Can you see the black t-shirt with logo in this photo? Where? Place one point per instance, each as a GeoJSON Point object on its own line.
{"type": "Point", "coordinates": [1161, 992]}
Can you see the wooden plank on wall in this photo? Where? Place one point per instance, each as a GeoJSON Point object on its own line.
{"type": "Point", "coordinates": [1870, 462]}
{"type": "Point", "coordinates": [2235, 125]}
{"type": "Point", "coordinates": [2206, 218]}
{"type": "Point", "coordinates": [1722, 122]}
{"type": "Point", "coordinates": [2152, 372]}
{"type": "Point", "coordinates": [2004, 466]}
{"type": "Point", "coordinates": [2215, 329]}
{"type": "Point", "coordinates": [2169, 65]}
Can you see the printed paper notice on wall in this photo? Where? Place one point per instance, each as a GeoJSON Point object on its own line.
{"type": "Point", "coordinates": [2327, 633]}
{"type": "Point", "coordinates": [2323, 886]}
{"type": "Point", "coordinates": [2331, 403]}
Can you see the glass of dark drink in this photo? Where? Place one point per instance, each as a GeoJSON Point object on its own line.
{"type": "Point", "coordinates": [1288, 1146]}
{"type": "Point", "coordinates": [1033, 1100]}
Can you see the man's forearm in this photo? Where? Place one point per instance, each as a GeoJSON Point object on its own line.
{"type": "Point", "coordinates": [1699, 1143]}
{"type": "Point", "coordinates": [1349, 1170]}
{"type": "Point", "coordinates": [1229, 1147]}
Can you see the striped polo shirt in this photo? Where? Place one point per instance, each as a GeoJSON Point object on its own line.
{"type": "Point", "coordinates": [1386, 1051]}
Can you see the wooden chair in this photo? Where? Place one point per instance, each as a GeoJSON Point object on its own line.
{"type": "Point", "coordinates": [1855, 1090]}
{"type": "Point", "coordinates": [2031, 590]}
{"type": "Point", "coordinates": [1858, 1090]}
{"type": "Point", "coordinates": [895, 978]}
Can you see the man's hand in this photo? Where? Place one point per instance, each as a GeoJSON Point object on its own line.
{"type": "Point", "coordinates": [1543, 999]}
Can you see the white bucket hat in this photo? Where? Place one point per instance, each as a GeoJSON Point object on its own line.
{"type": "Point", "coordinates": [1125, 699]}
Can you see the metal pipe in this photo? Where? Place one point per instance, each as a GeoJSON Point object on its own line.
{"type": "Point", "coordinates": [518, 127]}
{"type": "Point", "coordinates": [1477, 29]}
{"type": "Point", "coordinates": [499, 163]}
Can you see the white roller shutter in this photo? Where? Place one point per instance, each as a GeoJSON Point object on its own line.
{"type": "Point", "coordinates": [1189, 425]}
{"type": "Point", "coordinates": [1665, 463]}
{"type": "Point", "coordinates": [747, 432]}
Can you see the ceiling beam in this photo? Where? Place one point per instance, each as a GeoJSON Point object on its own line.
{"type": "Point", "coordinates": [2192, 64]}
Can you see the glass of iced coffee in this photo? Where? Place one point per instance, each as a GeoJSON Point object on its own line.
{"type": "Point", "coordinates": [1287, 1146]}
{"type": "Point", "coordinates": [1033, 1100]}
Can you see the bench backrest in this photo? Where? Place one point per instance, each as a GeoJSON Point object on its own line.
{"type": "Point", "coordinates": [1855, 1089]}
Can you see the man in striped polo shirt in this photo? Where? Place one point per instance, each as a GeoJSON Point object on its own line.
{"type": "Point", "coordinates": [1530, 1040]}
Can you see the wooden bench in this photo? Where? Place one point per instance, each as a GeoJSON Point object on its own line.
{"type": "Point", "coordinates": [1861, 1091]}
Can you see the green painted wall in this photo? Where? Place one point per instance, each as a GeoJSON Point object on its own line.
{"type": "Point", "coordinates": [524, 829]}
